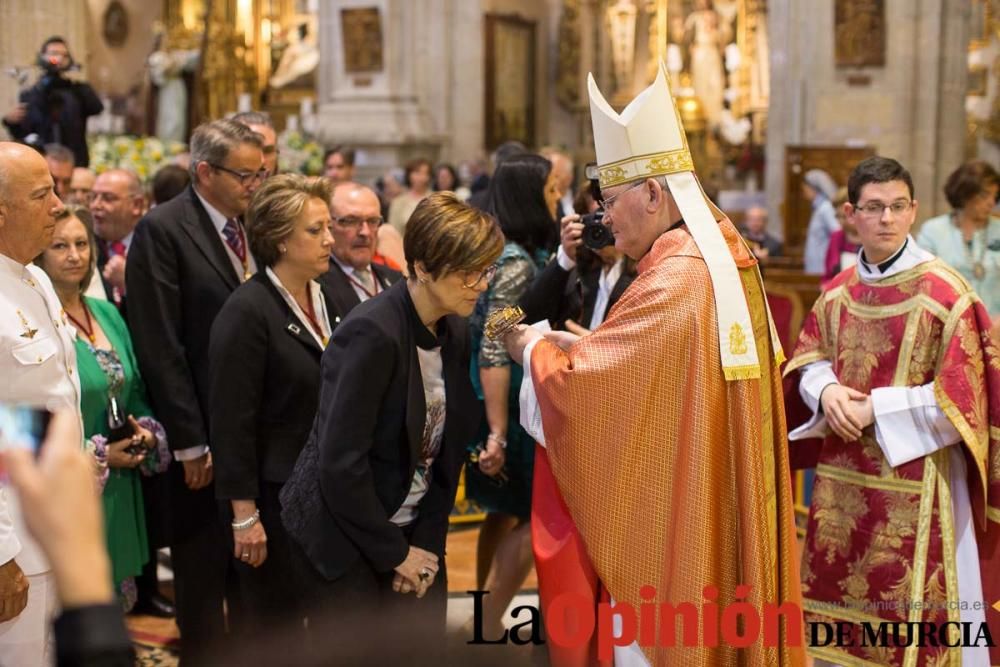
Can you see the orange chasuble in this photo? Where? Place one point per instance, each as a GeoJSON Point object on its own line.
{"type": "Point", "coordinates": [676, 478]}
{"type": "Point", "coordinates": [881, 541]}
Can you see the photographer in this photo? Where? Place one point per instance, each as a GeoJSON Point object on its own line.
{"type": "Point", "coordinates": [577, 288]}
{"type": "Point", "coordinates": [55, 109]}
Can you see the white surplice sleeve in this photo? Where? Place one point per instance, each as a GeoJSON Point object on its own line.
{"type": "Point", "coordinates": [531, 412]}
{"type": "Point", "coordinates": [909, 423]}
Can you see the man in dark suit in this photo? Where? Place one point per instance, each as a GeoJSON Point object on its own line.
{"type": "Point", "coordinates": [186, 258]}
{"type": "Point", "coordinates": [568, 290]}
{"type": "Point", "coordinates": [352, 277]}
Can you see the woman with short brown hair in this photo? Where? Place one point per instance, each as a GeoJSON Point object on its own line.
{"type": "Point", "coordinates": [369, 499]}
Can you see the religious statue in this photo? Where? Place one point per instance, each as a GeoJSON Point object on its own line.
{"type": "Point", "coordinates": [166, 70]}
{"type": "Point", "coordinates": [621, 18]}
{"type": "Point", "coordinates": [300, 58]}
{"type": "Point", "coordinates": [707, 34]}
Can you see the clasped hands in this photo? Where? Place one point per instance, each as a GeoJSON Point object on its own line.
{"type": "Point", "coordinates": [416, 574]}
{"type": "Point", "coordinates": [847, 410]}
{"type": "Point", "coordinates": [131, 451]}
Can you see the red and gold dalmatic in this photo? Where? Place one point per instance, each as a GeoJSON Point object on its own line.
{"type": "Point", "coordinates": [675, 478]}
{"type": "Point", "coordinates": [880, 543]}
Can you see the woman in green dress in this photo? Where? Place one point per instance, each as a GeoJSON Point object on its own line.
{"type": "Point", "coordinates": [108, 375]}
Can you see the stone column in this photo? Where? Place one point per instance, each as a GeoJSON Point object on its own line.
{"type": "Point", "coordinates": [386, 115]}
{"type": "Point", "coordinates": [912, 109]}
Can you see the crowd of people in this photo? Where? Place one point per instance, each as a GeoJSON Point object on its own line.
{"type": "Point", "coordinates": [282, 378]}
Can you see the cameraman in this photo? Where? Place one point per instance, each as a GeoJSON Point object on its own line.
{"type": "Point", "coordinates": [55, 109]}
{"type": "Point", "coordinates": [577, 289]}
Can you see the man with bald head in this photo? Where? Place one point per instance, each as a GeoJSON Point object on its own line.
{"type": "Point", "coordinates": [117, 204]}
{"type": "Point", "coordinates": [754, 231]}
{"type": "Point", "coordinates": [37, 367]}
{"type": "Point", "coordinates": [562, 165]}
{"type": "Point", "coordinates": [353, 277]}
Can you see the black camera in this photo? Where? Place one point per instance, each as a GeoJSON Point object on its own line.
{"type": "Point", "coordinates": [596, 235]}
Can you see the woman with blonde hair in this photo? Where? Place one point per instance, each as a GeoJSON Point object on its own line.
{"type": "Point", "coordinates": [264, 353]}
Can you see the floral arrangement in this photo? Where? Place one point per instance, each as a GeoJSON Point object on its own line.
{"type": "Point", "coordinates": [143, 155]}
{"type": "Point", "coordinates": [298, 152]}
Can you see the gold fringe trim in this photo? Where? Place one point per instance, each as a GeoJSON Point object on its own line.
{"type": "Point", "coordinates": [978, 448]}
{"type": "Point", "coordinates": [749, 372]}
{"type": "Point", "coordinates": [801, 360]}
{"type": "Point", "coordinates": [947, 526]}
{"type": "Point", "coordinates": [919, 574]}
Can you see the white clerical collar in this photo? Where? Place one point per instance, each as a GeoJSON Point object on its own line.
{"type": "Point", "coordinates": [907, 257]}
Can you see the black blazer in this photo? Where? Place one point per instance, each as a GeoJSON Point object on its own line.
{"type": "Point", "coordinates": [356, 469]}
{"type": "Point", "coordinates": [336, 283]}
{"type": "Point", "coordinates": [264, 372]}
{"type": "Point", "coordinates": [177, 277]}
{"type": "Point", "coordinates": [557, 295]}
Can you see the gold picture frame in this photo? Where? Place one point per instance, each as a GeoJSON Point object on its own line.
{"type": "Point", "coordinates": [510, 80]}
{"type": "Point", "coordinates": [981, 22]}
{"type": "Point", "coordinates": [978, 80]}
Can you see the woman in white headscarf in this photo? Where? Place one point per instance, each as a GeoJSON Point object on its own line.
{"type": "Point", "coordinates": [819, 188]}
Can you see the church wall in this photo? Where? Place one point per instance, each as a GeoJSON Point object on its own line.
{"type": "Point", "coordinates": [911, 109]}
{"type": "Point", "coordinates": [115, 70]}
{"type": "Point", "coordinates": [28, 23]}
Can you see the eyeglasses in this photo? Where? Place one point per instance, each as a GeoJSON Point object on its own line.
{"type": "Point", "coordinates": [875, 209]}
{"type": "Point", "coordinates": [487, 275]}
{"type": "Point", "coordinates": [354, 222]}
{"type": "Point", "coordinates": [608, 202]}
{"type": "Point", "coordinates": [108, 197]}
{"type": "Point", "coordinates": [245, 177]}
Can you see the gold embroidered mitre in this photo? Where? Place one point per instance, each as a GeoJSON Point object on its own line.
{"type": "Point", "coordinates": [647, 140]}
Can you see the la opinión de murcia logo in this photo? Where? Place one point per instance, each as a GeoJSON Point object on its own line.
{"type": "Point", "coordinates": [571, 620]}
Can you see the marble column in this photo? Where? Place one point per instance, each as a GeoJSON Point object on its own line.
{"type": "Point", "coordinates": [400, 112]}
{"type": "Point", "coordinates": [912, 109]}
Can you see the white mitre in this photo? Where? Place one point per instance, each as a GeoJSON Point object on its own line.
{"type": "Point", "coordinates": [648, 140]}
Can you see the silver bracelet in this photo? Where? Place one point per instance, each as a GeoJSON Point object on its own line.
{"type": "Point", "coordinates": [247, 522]}
{"type": "Point", "coordinates": [496, 438]}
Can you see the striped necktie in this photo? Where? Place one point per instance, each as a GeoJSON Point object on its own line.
{"type": "Point", "coordinates": [234, 239]}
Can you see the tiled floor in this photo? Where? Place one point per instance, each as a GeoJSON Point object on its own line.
{"type": "Point", "coordinates": [155, 636]}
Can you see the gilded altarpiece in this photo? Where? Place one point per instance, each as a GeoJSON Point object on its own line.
{"type": "Point", "coordinates": [718, 56]}
{"type": "Point", "coordinates": [256, 53]}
